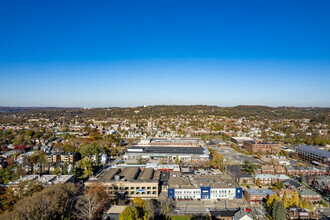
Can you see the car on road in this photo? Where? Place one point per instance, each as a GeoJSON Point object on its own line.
{"type": "Point", "coordinates": [248, 210]}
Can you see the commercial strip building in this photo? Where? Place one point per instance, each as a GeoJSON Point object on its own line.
{"type": "Point", "coordinates": [312, 154]}
{"type": "Point", "coordinates": [129, 182]}
{"type": "Point", "coordinates": [192, 154]}
{"type": "Point", "coordinates": [202, 187]}
{"type": "Point", "coordinates": [261, 147]}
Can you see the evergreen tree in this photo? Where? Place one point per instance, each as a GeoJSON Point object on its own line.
{"type": "Point", "coordinates": [274, 208]}
{"type": "Point", "coordinates": [280, 212]}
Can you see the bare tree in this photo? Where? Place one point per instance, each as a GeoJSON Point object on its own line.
{"type": "Point", "coordinates": [88, 205]}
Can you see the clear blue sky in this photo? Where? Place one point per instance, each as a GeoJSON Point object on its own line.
{"type": "Point", "coordinates": [129, 53]}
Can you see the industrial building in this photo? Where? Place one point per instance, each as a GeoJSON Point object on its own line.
{"type": "Point", "coordinates": [129, 182]}
{"type": "Point", "coordinates": [202, 187]}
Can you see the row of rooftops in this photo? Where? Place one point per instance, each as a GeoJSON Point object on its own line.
{"type": "Point", "coordinates": [236, 170]}
{"type": "Point", "coordinates": [128, 174]}
{"type": "Point", "coordinates": [44, 179]}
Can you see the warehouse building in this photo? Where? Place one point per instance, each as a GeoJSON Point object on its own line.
{"type": "Point", "coordinates": [202, 187]}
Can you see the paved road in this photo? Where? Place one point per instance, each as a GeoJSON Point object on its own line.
{"type": "Point", "coordinates": [231, 156]}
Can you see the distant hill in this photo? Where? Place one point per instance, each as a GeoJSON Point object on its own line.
{"type": "Point", "coordinates": [21, 109]}
{"type": "Point", "coordinates": [316, 114]}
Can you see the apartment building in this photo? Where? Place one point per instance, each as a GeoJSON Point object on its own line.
{"type": "Point", "coordinates": [312, 154]}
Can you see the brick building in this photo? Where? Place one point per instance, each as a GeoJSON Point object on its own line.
{"type": "Point", "coordinates": [262, 147]}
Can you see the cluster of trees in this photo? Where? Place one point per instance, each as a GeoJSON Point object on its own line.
{"type": "Point", "coordinates": [32, 201]}
{"type": "Point", "coordinates": [216, 159]}
{"type": "Point", "coordinates": [277, 205]}
{"type": "Point", "coordinates": [9, 174]}
{"type": "Point", "coordinates": [23, 137]}
{"type": "Point", "coordinates": [249, 167]}
{"type": "Point", "coordinates": [145, 210]}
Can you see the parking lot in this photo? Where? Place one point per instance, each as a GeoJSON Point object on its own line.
{"type": "Point", "coordinates": [233, 157]}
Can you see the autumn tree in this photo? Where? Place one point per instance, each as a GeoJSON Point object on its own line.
{"type": "Point", "coordinates": [294, 200]}
{"type": "Point", "coordinates": [129, 213]}
{"type": "Point", "coordinates": [92, 201]}
{"type": "Point", "coordinates": [285, 200]}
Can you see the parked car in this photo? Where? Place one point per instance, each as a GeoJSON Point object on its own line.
{"type": "Point", "coordinates": [177, 210]}
{"type": "Point", "coordinates": [248, 210]}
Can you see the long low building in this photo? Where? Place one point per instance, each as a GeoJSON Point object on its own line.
{"type": "Point", "coordinates": [195, 154]}
{"type": "Point", "coordinates": [202, 187]}
{"type": "Point", "coordinates": [312, 154]}
{"type": "Point", "coordinates": [170, 142]}
{"type": "Point", "coordinates": [45, 180]}
{"type": "Point", "coordinates": [129, 182]}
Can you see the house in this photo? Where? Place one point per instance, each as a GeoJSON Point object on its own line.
{"type": "Point", "coordinates": [280, 170]}
{"type": "Point", "coordinates": [292, 170]}
{"type": "Point", "coordinates": [257, 195]}
{"type": "Point", "coordinates": [300, 213]}
{"type": "Point", "coordinates": [226, 214]}
{"type": "Point", "coordinates": [309, 195]}
{"type": "Point", "coordinates": [268, 179]}
{"type": "Point", "coordinates": [239, 176]}
{"type": "Point", "coordinates": [291, 184]}
{"type": "Point", "coordinates": [242, 215]}
{"type": "Point", "coordinates": [281, 192]}
{"type": "Point", "coordinates": [267, 169]}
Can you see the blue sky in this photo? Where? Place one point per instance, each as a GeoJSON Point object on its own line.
{"type": "Point", "coordinates": [130, 53]}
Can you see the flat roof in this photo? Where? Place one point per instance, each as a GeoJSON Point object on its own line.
{"type": "Point", "coordinates": [179, 181]}
{"type": "Point", "coordinates": [107, 175]}
{"type": "Point", "coordinates": [130, 173]}
{"type": "Point", "coordinates": [146, 174]}
{"type": "Point", "coordinates": [62, 179]}
{"type": "Point", "coordinates": [260, 192]}
{"type": "Point", "coordinates": [127, 174]}
{"type": "Point", "coordinates": [169, 150]}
